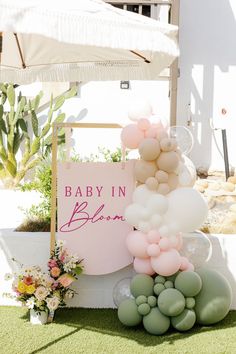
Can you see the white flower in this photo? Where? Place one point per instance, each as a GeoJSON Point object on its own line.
{"type": "Point", "coordinates": [30, 303]}
{"type": "Point", "coordinates": [41, 293]}
{"type": "Point", "coordinates": [8, 276]}
{"type": "Point", "coordinates": [53, 303]}
{"type": "Point", "coordinates": [60, 243]}
{"type": "Point", "coordinates": [69, 294]}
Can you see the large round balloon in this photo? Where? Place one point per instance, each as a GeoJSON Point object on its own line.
{"type": "Point", "coordinates": [121, 291]}
{"type": "Point", "coordinates": [171, 302]}
{"type": "Point", "coordinates": [197, 248]}
{"type": "Point", "coordinates": [167, 263]}
{"type": "Point", "coordinates": [168, 161]}
{"type": "Point", "coordinates": [214, 300]}
{"type": "Point", "coordinates": [185, 321]}
{"type": "Point", "coordinates": [128, 313]}
{"type": "Point", "coordinates": [131, 136]}
{"type": "Point", "coordinates": [155, 322]}
{"type": "Point", "coordinates": [141, 194]}
{"type": "Point", "coordinates": [137, 244]}
{"type": "Point", "coordinates": [189, 283]}
{"type": "Point", "coordinates": [184, 138]}
{"type": "Point", "coordinates": [143, 266]}
{"type": "Point", "coordinates": [149, 149]}
{"type": "Point", "coordinates": [141, 284]}
{"type": "Point", "coordinates": [144, 169]}
{"type": "Point", "coordinates": [187, 207]}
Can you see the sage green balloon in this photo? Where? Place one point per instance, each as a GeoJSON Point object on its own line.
{"type": "Point", "coordinates": [214, 300]}
{"type": "Point", "coordinates": [152, 301]}
{"type": "Point", "coordinates": [128, 313]}
{"type": "Point", "coordinates": [141, 284]}
{"type": "Point", "coordinates": [141, 299]}
{"type": "Point", "coordinates": [185, 321]}
{"type": "Point", "coordinates": [171, 302]}
{"type": "Point", "coordinates": [158, 288]}
{"type": "Point", "coordinates": [189, 283]}
{"type": "Point", "coordinates": [155, 322]}
{"type": "Point", "coordinates": [160, 279]}
{"type": "Point", "coordinates": [144, 309]}
{"type": "Point", "coordinates": [169, 284]}
{"type": "Point", "coordinates": [190, 302]}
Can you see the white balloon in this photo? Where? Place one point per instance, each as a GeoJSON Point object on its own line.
{"type": "Point", "coordinates": [157, 203]}
{"type": "Point", "coordinates": [187, 208]}
{"type": "Point", "coordinates": [141, 194]}
{"type": "Point", "coordinates": [133, 214]}
{"type": "Point", "coordinates": [156, 221]}
{"type": "Point", "coordinates": [185, 179]}
{"type": "Point", "coordinates": [139, 109]}
{"type": "Point", "coordinates": [164, 231]}
{"type": "Point", "coordinates": [144, 226]}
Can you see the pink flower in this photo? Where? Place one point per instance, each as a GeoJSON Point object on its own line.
{"type": "Point", "coordinates": [66, 279]}
{"type": "Point", "coordinates": [28, 280]}
{"type": "Point", "coordinates": [55, 272]}
{"type": "Point", "coordinates": [52, 263]}
{"type": "Point", "coordinates": [55, 285]}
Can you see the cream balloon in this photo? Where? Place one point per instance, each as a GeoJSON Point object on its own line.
{"type": "Point", "coordinates": [144, 169]}
{"type": "Point", "coordinates": [157, 203]}
{"type": "Point", "coordinates": [152, 183]}
{"type": "Point", "coordinates": [161, 176]}
{"type": "Point", "coordinates": [163, 188]}
{"type": "Point", "coordinates": [187, 207]}
{"type": "Point", "coordinates": [149, 149]}
{"type": "Point", "coordinates": [142, 194]}
{"type": "Point", "coordinates": [168, 161]}
{"type": "Point", "coordinates": [134, 213]}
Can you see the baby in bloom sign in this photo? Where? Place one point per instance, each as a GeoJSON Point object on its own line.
{"type": "Point", "coordinates": [92, 198]}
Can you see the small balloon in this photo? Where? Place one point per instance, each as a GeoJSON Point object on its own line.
{"type": "Point", "coordinates": [144, 169]}
{"type": "Point", "coordinates": [131, 136]}
{"type": "Point", "coordinates": [143, 266]}
{"type": "Point", "coordinates": [167, 263]}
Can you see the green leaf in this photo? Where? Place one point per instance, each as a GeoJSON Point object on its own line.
{"type": "Point", "coordinates": [60, 118]}
{"type": "Point", "coordinates": [71, 93]}
{"type": "Point", "coordinates": [35, 123]}
{"type": "Point", "coordinates": [11, 95]}
{"type": "Point", "coordinates": [78, 270]}
{"type": "Point", "coordinates": [23, 125]}
{"type": "Point", "coordinates": [35, 146]}
{"type": "Point", "coordinates": [45, 130]}
{"type": "Point", "coordinates": [35, 102]}
{"type": "Point", "coordinates": [17, 141]}
{"type": "Point", "coordinates": [59, 102]}
{"type": "Point", "coordinates": [3, 126]}
{"type": "Point", "coordinates": [1, 111]}
{"type": "Point", "coordinates": [11, 168]}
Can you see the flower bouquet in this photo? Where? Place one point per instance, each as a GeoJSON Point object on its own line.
{"type": "Point", "coordinates": [42, 292]}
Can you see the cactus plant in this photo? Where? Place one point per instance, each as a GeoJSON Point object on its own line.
{"type": "Point", "coordinates": [18, 115]}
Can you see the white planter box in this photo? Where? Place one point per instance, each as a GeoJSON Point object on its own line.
{"type": "Point", "coordinates": [96, 291]}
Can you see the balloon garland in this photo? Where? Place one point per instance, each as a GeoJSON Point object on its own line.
{"type": "Point", "coordinates": [166, 290]}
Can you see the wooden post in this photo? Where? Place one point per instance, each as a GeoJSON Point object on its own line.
{"type": "Point", "coordinates": [56, 126]}
{"type": "Point", "coordinates": [0, 46]}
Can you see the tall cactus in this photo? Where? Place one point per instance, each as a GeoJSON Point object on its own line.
{"type": "Point", "coordinates": [17, 116]}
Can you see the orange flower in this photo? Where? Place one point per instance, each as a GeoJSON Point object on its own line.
{"type": "Point", "coordinates": [55, 272]}
{"type": "Point", "coordinates": [66, 279]}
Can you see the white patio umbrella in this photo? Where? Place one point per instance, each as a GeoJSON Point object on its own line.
{"type": "Point", "coordinates": [80, 40]}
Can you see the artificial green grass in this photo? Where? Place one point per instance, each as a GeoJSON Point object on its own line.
{"type": "Point", "coordinates": [99, 331]}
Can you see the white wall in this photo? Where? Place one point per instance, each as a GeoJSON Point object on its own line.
{"type": "Point", "coordinates": [208, 76]}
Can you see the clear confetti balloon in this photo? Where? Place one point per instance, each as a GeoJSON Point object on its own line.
{"type": "Point", "coordinates": [121, 291]}
{"type": "Point", "coordinates": [197, 248]}
{"type": "Point", "coordinates": [184, 138]}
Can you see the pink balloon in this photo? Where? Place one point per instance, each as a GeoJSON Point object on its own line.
{"type": "Point", "coordinates": [143, 266]}
{"type": "Point", "coordinates": [143, 124]}
{"type": "Point", "coordinates": [153, 236]}
{"type": "Point", "coordinates": [190, 267]}
{"type": "Point", "coordinates": [153, 250]}
{"type": "Point", "coordinates": [167, 263]}
{"type": "Point", "coordinates": [164, 244]}
{"type": "Point", "coordinates": [131, 136]}
{"type": "Point", "coordinates": [184, 263]}
{"type": "Point", "coordinates": [137, 244]}
{"type": "Point", "coordinates": [151, 132]}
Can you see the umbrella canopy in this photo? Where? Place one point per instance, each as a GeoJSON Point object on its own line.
{"type": "Point", "coordinates": [80, 40]}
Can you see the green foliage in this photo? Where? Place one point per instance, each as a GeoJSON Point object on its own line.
{"type": "Point", "coordinates": [18, 116]}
